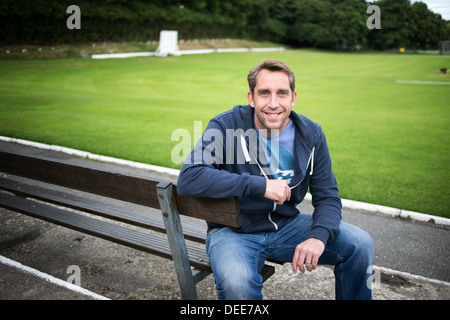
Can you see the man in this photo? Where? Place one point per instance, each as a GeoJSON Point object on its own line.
{"type": "Point", "coordinates": [269, 158]}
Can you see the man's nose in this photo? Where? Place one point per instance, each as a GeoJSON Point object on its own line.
{"type": "Point", "coordinates": [274, 103]}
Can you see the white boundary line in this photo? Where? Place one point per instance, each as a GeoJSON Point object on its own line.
{"type": "Point", "coordinates": [122, 55]}
{"type": "Point", "coordinates": [351, 204]}
{"type": "Point", "coordinates": [422, 82]}
{"type": "Point", "coordinates": [184, 52]}
{"type": "Point", "coordinates": [51, 278]}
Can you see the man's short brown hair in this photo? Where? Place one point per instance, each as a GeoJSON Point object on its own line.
{"type": "Point", "coordinates": [271, 65]}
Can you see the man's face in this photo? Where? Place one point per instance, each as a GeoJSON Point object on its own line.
{"type": "Point", "coordinates": [272, 100]}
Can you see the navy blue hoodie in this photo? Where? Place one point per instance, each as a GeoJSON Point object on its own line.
{"type": "Point", "coordinates": [225, 163]}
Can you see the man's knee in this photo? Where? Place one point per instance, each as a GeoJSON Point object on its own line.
{"type": "Point", "coordinates": [240, 285]}
{"type": "Point", "coordinates": [358, 241]}
{"type": "Point", "coordinates": [365, 242]}
{"type": "Point", "coordinates": [363, 248]}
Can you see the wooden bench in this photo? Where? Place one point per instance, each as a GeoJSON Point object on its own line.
{"type": "Point", "coordinates": [96, 189]}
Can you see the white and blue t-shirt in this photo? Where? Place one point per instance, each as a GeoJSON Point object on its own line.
{"type": "Point", "coordinates": [279, 153]}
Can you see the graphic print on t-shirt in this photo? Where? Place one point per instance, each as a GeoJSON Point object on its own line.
{"type": "Point", "coordinates": [279, 154]}
{"type": "Point", "coordinates": [281, 163]}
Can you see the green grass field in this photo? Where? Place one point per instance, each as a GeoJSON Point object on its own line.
{"type": "Point", "coordinates": [389, 141]}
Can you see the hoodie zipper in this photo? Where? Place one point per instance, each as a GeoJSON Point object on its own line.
{"type": "Point", "coordinates": [248, 159]}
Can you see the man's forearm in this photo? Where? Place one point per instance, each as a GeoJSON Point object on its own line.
{"type": "Point", "coordinates": [205, 181]}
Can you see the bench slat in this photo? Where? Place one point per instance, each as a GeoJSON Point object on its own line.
{"type": "Point", "coordinates": [93, 177]}
{"type": "Point", "coordinates": [133, 214]}
{"type": "Point", "coordinates": [115, 233]}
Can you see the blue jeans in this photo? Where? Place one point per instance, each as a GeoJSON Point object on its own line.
{"type": "Point", "coordinates": [237, 258]}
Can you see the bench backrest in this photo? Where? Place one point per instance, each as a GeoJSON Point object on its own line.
{"type": "Point", "coordinates": [98, 178]}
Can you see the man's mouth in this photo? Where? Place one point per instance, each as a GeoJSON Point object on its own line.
{"type": "Point", "coordinates": [273, 114]}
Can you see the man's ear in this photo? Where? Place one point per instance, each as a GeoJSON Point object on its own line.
{"type": "Point", "coordinates": [250, 99]}
{"type": "Point", "coordinates": [294, 98]}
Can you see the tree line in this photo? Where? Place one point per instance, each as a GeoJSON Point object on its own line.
{"type": "Point", "coordinates": [328, 24]}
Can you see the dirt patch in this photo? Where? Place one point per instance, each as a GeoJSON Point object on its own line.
{"type": "Point", "coordinates": [395, 280]}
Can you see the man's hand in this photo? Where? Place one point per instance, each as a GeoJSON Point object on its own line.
{"type": "Point", "coordinates": [307, 254]}
{"type": "Point", "coordinates": [278, 191]}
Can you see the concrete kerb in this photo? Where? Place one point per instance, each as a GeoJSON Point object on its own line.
{"type": "Point", "coordinates": [51, 279]}
{"type": "Point", "coordinates": [351, 204]}
{"type": "Point", "coordinates": [394, 212]}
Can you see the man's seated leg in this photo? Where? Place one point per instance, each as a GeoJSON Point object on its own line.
{"type": "Point", "coordinates": [351, 252]}
{"type": "Point", "coordinates": [236, 259]}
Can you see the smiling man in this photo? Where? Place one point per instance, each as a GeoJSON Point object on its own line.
{"type": "Point", "coordinates": [272, 97]}
{"type": "Point", "coordinates": [284, 154]}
